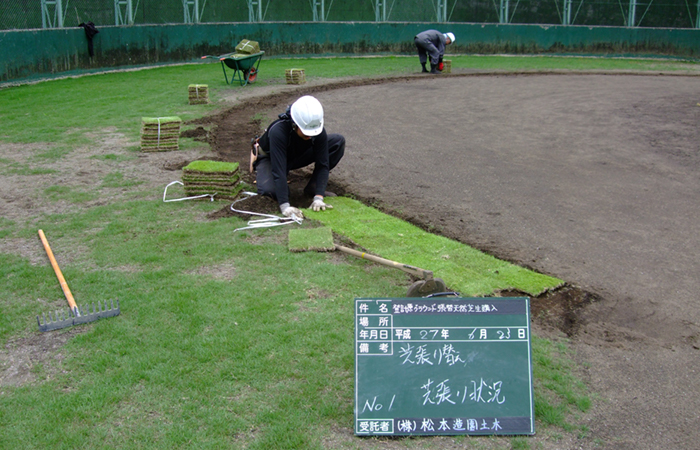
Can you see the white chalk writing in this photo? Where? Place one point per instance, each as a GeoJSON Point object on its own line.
{"type": "Point", "coordinates": [443, 308]}
{"type": "Point", "coordinates": [480, 392]}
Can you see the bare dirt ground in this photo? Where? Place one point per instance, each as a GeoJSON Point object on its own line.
{"type": "Point", "coordinates": [592, 178]}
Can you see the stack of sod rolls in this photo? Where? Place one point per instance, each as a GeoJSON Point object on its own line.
{"type": "Point", "coordinates": [246, 47]}
{"type": "Point", "coordinates": [199, 94]}
{"type": "Point", "coordinates": [448, 66]}
{"type": "Point", "coordinates": [212, 177]}
{"type": "Point", "coordinates": [160, 134]}
{"type": "Point", "coordinates": [295, 76]}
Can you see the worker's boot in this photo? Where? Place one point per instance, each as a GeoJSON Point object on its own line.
{"type": "Point", "coordinates": [433, 68]}
{"type": "Point", "coordinates": [424, 69]}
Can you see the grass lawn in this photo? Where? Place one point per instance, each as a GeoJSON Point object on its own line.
{"type": "Point", "coordinates": [226, 340]}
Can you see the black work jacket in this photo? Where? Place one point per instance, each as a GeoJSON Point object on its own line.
{"type": "Point", "coordinates": [288, 151]}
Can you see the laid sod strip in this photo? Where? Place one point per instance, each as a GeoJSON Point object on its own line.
{"type": "Point", "coordinates": [464, 269]}
{"type": "Point", "coordinates": [311, 239]}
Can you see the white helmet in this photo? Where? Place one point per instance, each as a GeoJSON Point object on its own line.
{"type": "Point", "coordinates": [451, 36]}
{"type": "Point", "coordinates": [307, 113]}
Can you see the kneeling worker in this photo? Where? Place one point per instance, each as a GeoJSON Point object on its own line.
{"type": "Point", "coordinates": [432, 43]}
{"type": "Point", "coordinates": [296, 140]}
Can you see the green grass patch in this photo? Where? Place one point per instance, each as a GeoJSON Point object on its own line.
{"type": "Point", "coordinates": [211, 166]}
{"type": "Point", "coordinates": [163, 91]}
{"type": "Point", "coordinates": [193, 357]}
{"type": "Point", "coordinates": [226, 340]}
{"type": "Point", "coordinates": [463, 268]}
{"type": "Point", "coordinates": [117, 180]}
{"type": "Point", "coordinates": [69, 194]}
{"type": "Point", "coordinates": [6, 227]}
{"type": "Point", "coordinates": [118, 99]}
{"type": "Point", "coordinates": [160, 120]}
{"type": "Point", "coordinates": [220, 333]}
{"type": "Point", "coordinates": [559, 395]}
{"type": "Point", "coordinates": [111, 157]}
{"type": "Point", "coordinates": [311, 239]}
{"type": "Point", "coordinates": [333, 67]}
{"type": "Point", "coordinates": [55, 152]}
{"type": "Point", "coordinates": [8, 167]}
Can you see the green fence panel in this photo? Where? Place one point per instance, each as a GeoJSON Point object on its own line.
{"type": "Point", "coordinates": [40, 53]}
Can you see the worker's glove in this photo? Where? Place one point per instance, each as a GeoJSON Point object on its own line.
{"type": "Point", "coordinates": [290, 211]}
{"type": "Point", "coordinates": [319, 205]}
{"type": "Point", "coordinates": [441, 66]}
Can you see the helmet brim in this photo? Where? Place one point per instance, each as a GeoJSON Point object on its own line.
{"type": "Point", "coordinates": [311, 132]}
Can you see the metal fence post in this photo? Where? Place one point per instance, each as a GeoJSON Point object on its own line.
{"type": "Point", "coordinates": [318, 8]}
{"type": "Point", "coordinates": [441, 10]}
{"type": "Point", "coordinates": [380, 11]}
{"type": "Point", "coordinates": [127, 16]}
{"type": "Point", "coordinates": [58, 14]}
{"type": "Point", "coordinates": [255, 15]}
{"type": "Point", "coordinates": [631, 13]}
{"type": "Point", "coordinates": [503, 11]}
{"type": "Point", "coordinates": [194, 15]}
{"type": "Point", "coordinates": [566, 19]}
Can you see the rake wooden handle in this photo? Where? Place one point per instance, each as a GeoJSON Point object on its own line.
{"type": "Point", "coordinates": [420, 273]}
{"type": "Point", "coordinates": [71, 302]}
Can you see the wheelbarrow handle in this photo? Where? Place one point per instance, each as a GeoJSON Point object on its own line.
{"type": "Point", "coordinates": [62, 281]}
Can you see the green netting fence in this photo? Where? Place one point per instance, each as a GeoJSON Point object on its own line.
{"type": "Point", "coordinates": [33, 14]}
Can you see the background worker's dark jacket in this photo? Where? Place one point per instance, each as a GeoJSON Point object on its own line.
{"type": "Point", "coordinates": [287, 151]}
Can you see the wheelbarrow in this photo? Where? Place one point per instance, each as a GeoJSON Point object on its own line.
{"type": "Point", "coordinates": [245, 67]}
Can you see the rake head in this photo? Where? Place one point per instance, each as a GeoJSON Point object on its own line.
{"type": "Point", "coordinates": [79, 316]}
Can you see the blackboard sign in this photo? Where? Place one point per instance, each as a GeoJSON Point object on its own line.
{"type": "Point", "coordinates": [443, 366]}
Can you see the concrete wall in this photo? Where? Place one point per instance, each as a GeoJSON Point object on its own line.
{"type": "Point", "coordinates": [25, 55]}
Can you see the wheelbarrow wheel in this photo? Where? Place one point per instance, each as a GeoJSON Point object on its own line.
{"type": "Point", "coordinates": [251, 75]}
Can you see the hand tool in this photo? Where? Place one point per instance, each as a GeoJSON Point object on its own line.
{"type": "Point", "coordinates": [76, 315]}
{"type": "Point", "coordinates": [321, 239]}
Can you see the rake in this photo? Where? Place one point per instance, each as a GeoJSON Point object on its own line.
{"type": "Point", "coordinates": [321, 240]}
{"type": "Point", "coordinates": [76, 315]}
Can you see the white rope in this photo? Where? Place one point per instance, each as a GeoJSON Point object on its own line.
{"type": "Point", "coordinates": [165, 192]}
{"type": "Point", "coordinates": [269, 220]}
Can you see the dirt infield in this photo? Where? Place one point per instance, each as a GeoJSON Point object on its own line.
{"type": "Point", "coordinates": [588, 177]}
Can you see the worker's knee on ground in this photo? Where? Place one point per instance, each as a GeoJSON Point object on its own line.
{"type": "Point", "coordinates": [340, 144]}
{"type": "Point", "coordinates": [263, 178]}
{"type": "Point", "coordinates": [336, 149]}
{"type": "Point", "coordinates": [265, 193]}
